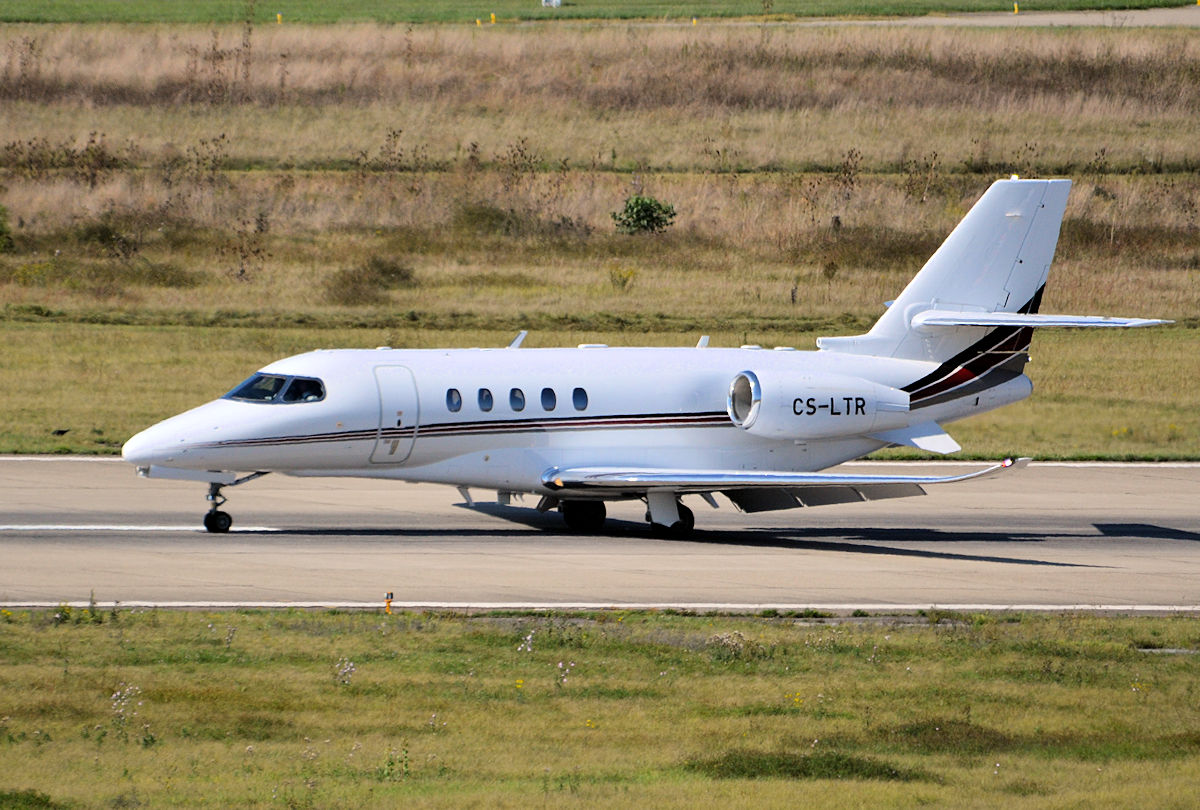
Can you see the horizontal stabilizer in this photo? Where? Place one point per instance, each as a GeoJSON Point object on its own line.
{"type": "Point", "coordinates": [942, 317]}
{"type": "Point", "coordinates": [927, 436]}
{"type": "Point", "coordinates": [635, 481]}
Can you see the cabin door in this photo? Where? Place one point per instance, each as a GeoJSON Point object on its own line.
{"type": "Point", "coordinates": [398, 414]}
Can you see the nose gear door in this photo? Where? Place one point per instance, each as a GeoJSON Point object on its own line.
{"type": "Point", "coordinates": [398, 415]}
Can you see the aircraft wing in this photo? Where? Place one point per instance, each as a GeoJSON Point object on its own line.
{"type": "Point", "coordinates": [760, 491]}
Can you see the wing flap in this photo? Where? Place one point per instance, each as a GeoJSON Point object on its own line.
{"type": "Point", "coordinates": [642, 480]}
{"type": "Point", "coordinates": [768, 499]}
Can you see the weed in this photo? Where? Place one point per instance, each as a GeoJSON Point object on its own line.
{"type": "Point", "coordinates": [62, 615]}
{"type": "Point", "coordinates": [91, 164]}
{"type": "Point", "coordinates": [734, 646]}
{"type": "Point", "coordinates": [564, 671]}
{"type": "Point", "coordinates": [392, 157]}
{"type": "Point", "coordinates": [396, 767]}
{"type": "Point", "coordinates": [125, 707]}
{"type": "Point", "coordinates": [343, 671]}
{"type": "Point", "coordinates": [247, 247]}
{"type": "Point", "coordinates": [7, 245]}
{"type": "Point", "coordinates": [622, 278]}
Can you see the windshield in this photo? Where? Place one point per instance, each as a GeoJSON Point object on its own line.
{"type": "Point", "coordinates": [278, 388]}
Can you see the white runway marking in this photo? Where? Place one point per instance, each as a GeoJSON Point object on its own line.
{"type": "Point", "coordinates": [698, 607]}
{"type": "Point", "coordinates": [66, 527]}
{"type": "Point", "coordinates": [1115, 465]}
{"type": "Point", "coordinates": [8, 459]}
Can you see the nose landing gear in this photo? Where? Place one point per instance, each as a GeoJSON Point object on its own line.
{"type": "Point", "coordinates": [216, 520]}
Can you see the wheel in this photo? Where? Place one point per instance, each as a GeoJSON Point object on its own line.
{"type": "Point", "coordinates": [585, 517]}
{"type": "Point", "coordinates": [679, 530]}
{"type": "Point", "coordinates": [687, 521]}
{"type": "Point", "coordinates": [217, 521]}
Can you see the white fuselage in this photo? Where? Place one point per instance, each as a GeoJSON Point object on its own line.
{"type": "Point", "coordinates": [387, 413]}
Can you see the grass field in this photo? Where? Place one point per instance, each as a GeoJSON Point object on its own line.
{"type": "Point", "coordinates": [178, 180]}
{"type": "Point", "coordinates": [1096, 395]}
{"type": "Point", "coordinates": [295, 709]}
{"type": "Point", "coordinates": [443, 11]}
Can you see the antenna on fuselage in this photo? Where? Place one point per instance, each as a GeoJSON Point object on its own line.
{"type": "Point", "coordinates": [519, 339]}
{"type": "Point", "coordinates": [702, 342]}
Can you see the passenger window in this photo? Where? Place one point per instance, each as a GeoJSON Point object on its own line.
{"type": "Point", "coordinates": [516, 399]}
{"type": "Point", "coordinates": [485, 400]}
{"type": "Point", "coordinates": [579, 399]}
{"type": "Point", "coordinates": [453, 400]}
{"type": "Point", "coordinates": [549, 400]}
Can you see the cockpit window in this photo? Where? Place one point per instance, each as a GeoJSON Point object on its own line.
{"type": "Point", "coordinates": [278, 388]}
{"type": "Point", "coordinates": [259, 388]}
{"type": "Point", "coordinates": [304, 389]}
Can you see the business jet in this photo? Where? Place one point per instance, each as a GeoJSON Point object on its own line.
{"type": "Point", "coordinates": [581, 426]}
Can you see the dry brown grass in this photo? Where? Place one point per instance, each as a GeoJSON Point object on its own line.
{"type": "Point", "coordinates": [258, 177]}
{"type": "Point", "coordinates": [662, 96]}
{"type": "Point", "coordinates": [744, 247]}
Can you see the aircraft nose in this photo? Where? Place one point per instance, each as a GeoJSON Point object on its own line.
{"type": "Point", "coordinates": [138, 450]}
{"type": "Point", "coordinates": [145, 448]}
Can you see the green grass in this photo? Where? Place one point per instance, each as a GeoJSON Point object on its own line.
{"type": "Point", "coordinates": [441, 11]}
{"type": "Point", "coordinates": [246, 709]}
{"type": "Point", "coordinates": [1097, 394]}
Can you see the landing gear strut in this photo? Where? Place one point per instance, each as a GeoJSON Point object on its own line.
{"type": "Point", "coordinates": [215, 520]}
{"type": "Point", "coordinates": [667, 516]}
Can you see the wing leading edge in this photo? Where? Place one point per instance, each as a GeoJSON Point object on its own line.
{"type": "Point", "coordinates": [758, 491]}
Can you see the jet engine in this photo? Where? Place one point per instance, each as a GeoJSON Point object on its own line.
{"type": "Point", "coordinates": [778, 405]}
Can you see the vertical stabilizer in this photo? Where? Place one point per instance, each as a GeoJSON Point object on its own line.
{"type": "Point", "coordinates": [996, 260]}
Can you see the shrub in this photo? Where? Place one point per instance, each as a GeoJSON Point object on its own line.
{"type": "Point", "coordinates": [367, 283]}
{"type": "Point", "coordinates": [644, 215]}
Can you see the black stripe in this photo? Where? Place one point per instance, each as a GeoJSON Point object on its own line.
{"type": "Point", "coordinates": [452, 429]}
{"type": "Point", "coordinates": [979, 357]}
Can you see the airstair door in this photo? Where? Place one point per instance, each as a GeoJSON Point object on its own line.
{"type": "Point", "coordinates": [398, 415]}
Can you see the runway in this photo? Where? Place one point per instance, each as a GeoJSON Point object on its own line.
{"type": "Point", "coordinates": [1102, 536]}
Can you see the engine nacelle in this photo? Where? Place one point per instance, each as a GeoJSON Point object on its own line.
{"type": "Point", "coordinates": [778, 405]}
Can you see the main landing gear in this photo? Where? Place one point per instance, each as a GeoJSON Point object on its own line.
{"type": "Point", "coordinates": [215, 520]}
{"type": "Point", "coordinates": [678, 530]}
{"type": "Point", "coordinates": [584, 517]}
{"type": "Point", "coordinates": [587, 517]}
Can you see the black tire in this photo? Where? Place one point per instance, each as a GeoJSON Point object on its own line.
{"type": "Point", "coordinates": [687, 521]}
{"type": "Point", "coordinates": [679, 530]}
{"type": "Point", "coordinates": [217, 522]}
{"type": "Point", "coordinates": [584, 517]}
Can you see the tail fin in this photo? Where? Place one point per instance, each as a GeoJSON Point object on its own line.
{"type": "Point", "coordinates": [995, 261]}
